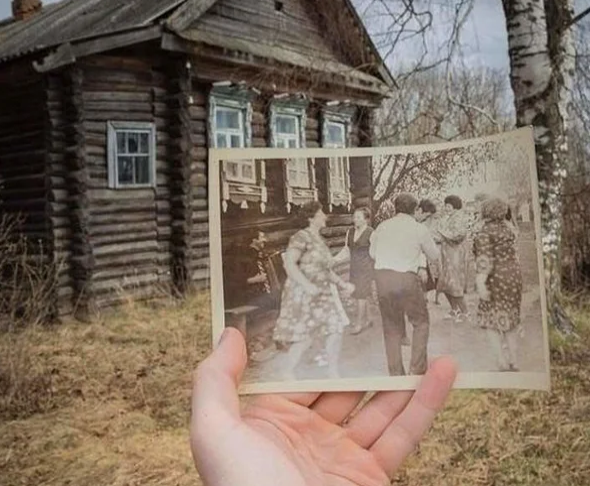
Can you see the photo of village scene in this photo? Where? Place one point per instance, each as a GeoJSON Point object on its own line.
{"type": "Point", "coordinates": [381, 262]}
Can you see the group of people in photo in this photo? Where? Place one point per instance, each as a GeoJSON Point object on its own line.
{"type": "Point", "coordinates": [417, 251]}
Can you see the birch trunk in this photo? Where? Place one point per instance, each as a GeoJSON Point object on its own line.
{"type": "Point", "coordinates": [542, 62]}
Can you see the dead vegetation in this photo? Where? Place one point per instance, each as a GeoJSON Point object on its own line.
{"type": "Point", "coordinates": [104, 403]}
{"type": "Point", "coordinates": [107, 403]}
{"type": "Point", "coordinates": [26, 277]}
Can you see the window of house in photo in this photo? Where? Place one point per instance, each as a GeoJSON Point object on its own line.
{"type": "Point", "coordinates": [335, 137]}
{"type": "Point", "coordinates": [288, 132]}
{"type": "Point", "coordinates": [131, 155]}
{"type": "Point", "coordinates": [231, 130]}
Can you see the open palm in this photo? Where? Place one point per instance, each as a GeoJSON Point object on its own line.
{"type": "Point", "coordinates": [307, 438]}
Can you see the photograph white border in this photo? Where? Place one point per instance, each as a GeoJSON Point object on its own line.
{"type": "Point", "coordinates": [465, 380]}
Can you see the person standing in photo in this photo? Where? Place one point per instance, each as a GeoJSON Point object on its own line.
{"type": "Point", "coordinates": [499, 283]}
{"type": "Point", "coordinates": [397, 246]}
{"type": "Point", "coordinates": [362, 272]}
{"type": "Point", "coordinates": [452, 236]}
{"type": "Point", "coordinates": [425, 214]}
{"type": "Point", "coordinates": [310, 304]}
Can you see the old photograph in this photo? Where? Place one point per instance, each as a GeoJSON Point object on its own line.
{"type": "Point", "coordinates": [352, 269]}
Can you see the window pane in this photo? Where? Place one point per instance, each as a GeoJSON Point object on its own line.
{"type": "Point", "coordinates": [232, 169]}
{"type": "Point", "coordinates": [287, 124]}
{"type": "Point", "coordinates": [125, 170]}
{"type": "Point", "coordinates": [121, 143]}
{"type": "Point", "coordinates": [142, 170]}
{"type": "Point", "coordinates": [144, 143]}
{"type": "Point", "coordinates": [227, 118]}
{"type": "Point", "coordinates": [236, 141]}
{"type": "Point", "coordinates": [132, 142]}
{"type": "Point", "coordinates": [293, 143]}
{"type": "Point", "coordinates": [221, 141]}
{"type": "Point", "coordinates": [247, 171]}
{"type": "Point", "coordinates": [336, 134]}
{"type": "Point", "coordinates": [281, 143]}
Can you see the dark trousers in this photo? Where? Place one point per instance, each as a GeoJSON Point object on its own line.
{"type": "Point", "coordinates": [400, 295]}
{"type": "Point", "coordinates": [457, 303]}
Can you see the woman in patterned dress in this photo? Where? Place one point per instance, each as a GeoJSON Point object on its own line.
{"type": "Point", "coordinates": [356, 250]}
{"type": "Point", "coordinates": [310, 305]}
{"type": "Point", "coordinates": [499, 283]}
{"type": "Point", "coordinates": [452, 236]}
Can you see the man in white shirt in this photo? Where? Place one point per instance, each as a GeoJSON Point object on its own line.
{"type": "Point", "coordinates": [398, 246]}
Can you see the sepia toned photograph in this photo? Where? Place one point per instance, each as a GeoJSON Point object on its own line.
{"type": "Point", "coordinates": [352, 269]}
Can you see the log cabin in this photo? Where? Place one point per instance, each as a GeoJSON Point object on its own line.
{"type": "Point", "coordinates": [108, 108]}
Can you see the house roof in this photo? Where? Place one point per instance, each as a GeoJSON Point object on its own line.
{"type": "Point", "coordinates": [59, 26]}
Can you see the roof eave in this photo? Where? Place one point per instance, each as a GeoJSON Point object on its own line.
{"type": "Point", "coordinates": [70, 52]}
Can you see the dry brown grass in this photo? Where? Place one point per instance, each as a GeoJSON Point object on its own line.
{"type": "Point", "coordinates": [112, 407]}
{"type": "Point", "coordinates": [113, 410]}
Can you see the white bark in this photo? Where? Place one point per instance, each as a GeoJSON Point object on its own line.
{"type": "Point", "coordinates": [542, 59]}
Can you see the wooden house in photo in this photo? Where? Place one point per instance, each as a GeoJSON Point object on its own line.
{"type": "Point", "coordinates": [108, 108]}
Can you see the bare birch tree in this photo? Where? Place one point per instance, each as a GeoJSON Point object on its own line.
{"type": "Point", "coordinates": [542, 62]}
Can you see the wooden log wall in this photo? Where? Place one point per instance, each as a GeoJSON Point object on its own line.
{"type": "Point", "coordinates": [22, 156]}
{"type": "Point", "coordinates": [296, 27]}
{"type": "Point", "coordinates": [77, 181]}
{"type": "Point", "coordinates": [199, 256]}
{"type": "Point", "coordinates": [181, 190]}
{"type": "Point", "coordinates": [130, 229]}
{"type": "Point", "coordinates": [57, 204]}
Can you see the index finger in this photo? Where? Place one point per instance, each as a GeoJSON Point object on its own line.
{"type": "Point", "coordinates": [404, 433]}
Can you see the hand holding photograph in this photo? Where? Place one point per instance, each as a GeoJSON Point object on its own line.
{"type": "Point", "coordinates": [351, 269]}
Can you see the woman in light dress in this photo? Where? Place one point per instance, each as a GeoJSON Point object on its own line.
{"type": "Point", "coordinates": [451, 234]}
{"type": "Point", "coordinates": [311, 308]}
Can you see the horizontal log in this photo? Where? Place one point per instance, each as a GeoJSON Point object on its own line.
{"type": "Point", "coordinates": [197, 253]}
{"type": "Point", "coordinates": [198, 113]}
{"type": "Point", "coordinates": [201, 275]}
{"type": "Point", "coordinates": [121, 239]}
{"type": "Point", "coordinates": [124, 283]}
{"type": "Point", "coordinates": [122, 272]}
{"type": "Point", "coordinates": [130, 108]}
{"type": "Point", "coordinates": [99, 116]}
{"type": "Point", "coordinates": [124, 248]}
{"type": "Point", "coordinates": [112, 195]}
{"type": "Point", "coordinates": [136, 258]}
{"type": "Point", "coordinates": [116, 96]}
{"type": "Point", "coordinates": [200, 263]}
{"type": "Point", "coordinates": [119, 228]}
{"type": "Point", "coordinates": [134, 217]}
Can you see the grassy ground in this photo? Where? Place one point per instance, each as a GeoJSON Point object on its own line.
{"type": "Point", "coordinates": [107, 404]}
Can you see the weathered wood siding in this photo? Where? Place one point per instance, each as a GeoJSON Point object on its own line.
{"type": "Point", "coordinates": [297, 27]}
{"type": "Point", "coordinates": [129, 228]}
{"type": "Point", "coordinates": [58, 204]}
{"type": "Point", "coordinates": [22, 155]}
{"type": "Point", "coordinates": [199, 255]}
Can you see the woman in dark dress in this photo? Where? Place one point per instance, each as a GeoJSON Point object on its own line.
{"type": "Point", "coordinates": [499, 283]}
{"type": "Point", "coordinates": [358, 241]}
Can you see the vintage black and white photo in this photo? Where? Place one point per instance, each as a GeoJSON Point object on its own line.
{"type": "Point", "coordinates": [354, 268]}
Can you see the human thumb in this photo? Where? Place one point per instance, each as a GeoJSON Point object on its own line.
{"type": "Point", "coordinates": [215, 385]}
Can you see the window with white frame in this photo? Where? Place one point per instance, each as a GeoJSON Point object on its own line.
{"type": "Point", "coordinates": [230, 126]}
{"type": "Point", "coordinates": [335, 137]}
{"type": "Point", "coordinates": [289, 132]}
{"type": "Point", "coordinates": [131, 155]}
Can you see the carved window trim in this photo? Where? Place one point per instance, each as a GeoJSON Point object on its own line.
{"type": "Point", "coordinates": [114, 129]}
{"type": "Point", "coordinates": [240, 103]}
{"type": "Point", "coordinates": [338, 167]}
